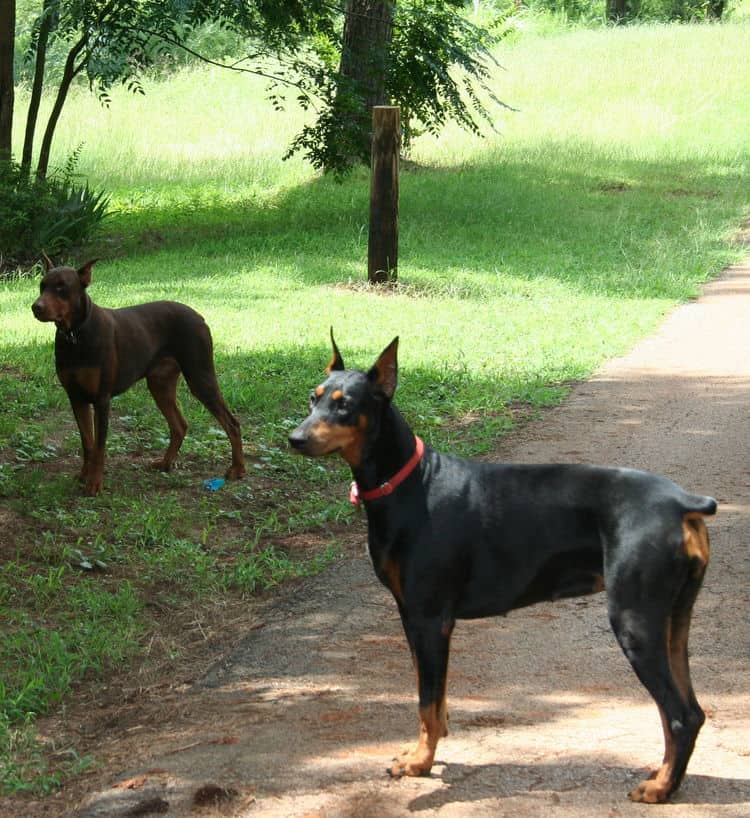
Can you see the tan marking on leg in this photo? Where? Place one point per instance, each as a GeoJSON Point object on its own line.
{"type": "Point", "coordinates": [678, 658]}
{"type": "Point", "coordinates": [695, 537]}
{"type": "Point", "coordinates": [657, 788]}
{"type": "Point", "coordinates": [432, 727]}
{"type": "Point", "coordinates": [392, 572]}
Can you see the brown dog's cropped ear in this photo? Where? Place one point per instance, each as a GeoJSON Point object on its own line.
{"type": "Point", "coordinates": [384, 373]}
{"type": "Point", "coordinates": [48, 263]}
{"type": "Point", "coordinates": [84, 273]}
{"type": "Point", "coordinates": [336, 362]}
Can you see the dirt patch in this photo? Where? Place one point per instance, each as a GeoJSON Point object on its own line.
{"type": "Point", "coordinates": [292, 706]}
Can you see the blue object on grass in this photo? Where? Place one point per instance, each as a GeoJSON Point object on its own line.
{"type": "Point", "coordinates": [214, 483]}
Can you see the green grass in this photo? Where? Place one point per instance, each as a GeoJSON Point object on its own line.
{"type": "Point", "coordinates": [527, 259]}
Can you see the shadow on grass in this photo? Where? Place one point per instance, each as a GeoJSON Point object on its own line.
{"type": "Point", "coordinates": [625, 228]}
{"type": "Point", "coordinates": [269, 391]}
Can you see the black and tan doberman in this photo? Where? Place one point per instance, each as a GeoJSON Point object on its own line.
{"type": "Point", "coordinates": [458, 539]}
{"type": "Point", "coordinates": [100, 353]}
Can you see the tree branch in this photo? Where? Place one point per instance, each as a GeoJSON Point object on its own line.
{"type": "Point", "coordinates": [229, 66]}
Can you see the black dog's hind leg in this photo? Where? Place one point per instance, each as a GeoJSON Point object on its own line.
{"type": "Point", "coordinates": [653, 633]}
{"type": "Point", "coordinates": [429, 640]}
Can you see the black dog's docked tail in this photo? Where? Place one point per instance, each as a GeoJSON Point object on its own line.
{"type": "Point", "coordinates": [698, 504]}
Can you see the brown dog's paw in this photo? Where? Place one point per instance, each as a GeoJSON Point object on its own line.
{"type": "Point", "coordinates": [235, 473]}
{"type": "Point", "coordinates": [161, 465]}
{"type": "Point", "coordinates": [93, 486]}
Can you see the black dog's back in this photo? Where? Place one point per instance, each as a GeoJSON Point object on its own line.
{"type": "Point", "coordinates": [528, 533]}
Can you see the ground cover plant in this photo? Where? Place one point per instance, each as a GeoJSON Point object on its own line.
{"type": "Point", "coordinates": [527, 258]}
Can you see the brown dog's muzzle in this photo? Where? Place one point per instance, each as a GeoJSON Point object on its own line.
{"type": "Point", "coordinates": [40, 311]}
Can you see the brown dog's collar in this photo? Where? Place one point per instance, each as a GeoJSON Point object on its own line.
{"type": "Point", "coordinates": [389, 486]}
{"type": "Point", "coordinates": [71, 335]}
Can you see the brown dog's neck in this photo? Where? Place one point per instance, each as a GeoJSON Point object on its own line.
{"type": "Point", "coordinates": [79, 320]}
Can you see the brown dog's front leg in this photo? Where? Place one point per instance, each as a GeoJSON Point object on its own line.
{"type": "Point", "coordinates": [85, 421]}
{"type": "Point", "coordinates": [95, 474]}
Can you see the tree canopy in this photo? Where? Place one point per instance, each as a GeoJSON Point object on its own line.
{"type": "Point", "coordinates": [429, 59]}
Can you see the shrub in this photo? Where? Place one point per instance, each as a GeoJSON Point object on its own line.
{"type": "Point", "coordinates": [54, 214]}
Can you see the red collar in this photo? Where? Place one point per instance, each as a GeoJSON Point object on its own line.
{"type": "Point", "coordinates": [384, 489]}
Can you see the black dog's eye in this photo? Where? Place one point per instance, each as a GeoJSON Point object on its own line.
{"type": "Point", "coordinates": [61, 289]}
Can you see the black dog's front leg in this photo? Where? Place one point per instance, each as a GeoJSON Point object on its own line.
{"type": "Point", "coordinates": [429, 640]}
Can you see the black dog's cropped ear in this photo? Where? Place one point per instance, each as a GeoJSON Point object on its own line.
{"type": "Point", "coordinates": [48, 263]}
{"type": "Point", "coordinates": [384, 373]}
{"type": "Point", "coordinates": [84, 273]}
{"type": "Point", "coordinates": [336, 362]}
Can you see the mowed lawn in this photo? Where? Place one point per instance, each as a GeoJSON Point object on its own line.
{"type": "Point", "coordinates": [610, 192]}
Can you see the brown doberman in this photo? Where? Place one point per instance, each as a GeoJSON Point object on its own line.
{"type": "Point", "coordinates": [459, 539]}
{"type": "Point", "coordinates": [100, 353]}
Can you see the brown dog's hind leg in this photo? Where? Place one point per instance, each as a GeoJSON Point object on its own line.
{"type": "Point", "coordinates": [205, 387]}
{"type": "Point", "coordinates": [162, 384]}
{"type": "Point", "coordinates": [197, 362]}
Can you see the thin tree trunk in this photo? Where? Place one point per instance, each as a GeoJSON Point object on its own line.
{"type": "Point", "coordinates": [7, 78]}
{"type": "Point", "coordinates": [69, 74]}
{"type": "Point", "coordinates": [48, 23]}
{"type": "Point", "coordinates": [617, 10]}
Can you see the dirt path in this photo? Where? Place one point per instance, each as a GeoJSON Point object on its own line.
{"type": "Point", "coordinates": [547, 719]}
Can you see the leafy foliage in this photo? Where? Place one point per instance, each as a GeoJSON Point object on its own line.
{"type": "Point", "coordinates": [439, 64]}
{"type": "Point", "coordinates": [590, 11]}
{"type": "Point", "coordinates": [56, 213]}
{"type": "Point", "coordinates": [435, 60]}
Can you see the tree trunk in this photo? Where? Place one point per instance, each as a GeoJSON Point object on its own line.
{"type": "Point", "coordinates": [368, 30]}
{"type": "Point", "coordinates": [49, 20]}
{"type": "Point", "coordinates": [7, 78]}
{"type": "Point", "coordinates": [69, 74]}
{"type": "Point", "coordinates": [382, 246]}
{"type": "Point", "coordinates": [617, 10]}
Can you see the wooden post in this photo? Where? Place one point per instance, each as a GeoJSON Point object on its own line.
{"type": "Point", "coordinates": [382, 256]}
